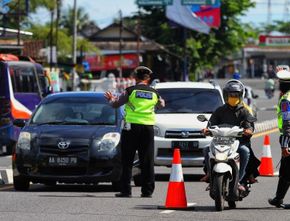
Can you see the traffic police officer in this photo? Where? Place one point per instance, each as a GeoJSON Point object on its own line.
{"type": "Point", "coordinates": [283, 112]}
{"type": "Point", "coordinates": [137, 133]}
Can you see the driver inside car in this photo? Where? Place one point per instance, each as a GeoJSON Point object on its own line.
{"type": "Point", "coordinates": [233, 112]}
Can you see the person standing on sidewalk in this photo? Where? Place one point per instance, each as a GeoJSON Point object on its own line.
{"type": "Point", "coordinates": [283, 112]}
{"type": "Point", "coordinates": [138, 133]}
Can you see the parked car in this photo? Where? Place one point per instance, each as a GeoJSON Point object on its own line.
{"type": "Point", "coordinates": [250, 99]}
{"type": "Point", "coordinates": [72, 137]}
{"type": "Point", "coordinates": [177, 124]}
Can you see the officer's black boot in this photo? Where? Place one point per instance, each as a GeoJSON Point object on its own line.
{"type": "Point", "coordinates": [282, 189]}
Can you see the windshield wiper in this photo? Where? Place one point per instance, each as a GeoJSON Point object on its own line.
{"type": "Point", "coordinates": [102, 123]}
{"type": "Point", "coordinates": [50, 122]}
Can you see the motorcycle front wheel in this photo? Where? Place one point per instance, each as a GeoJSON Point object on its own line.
{"type": "Point", "coordinates": [219, 182]}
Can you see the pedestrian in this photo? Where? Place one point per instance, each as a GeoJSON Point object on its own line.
{"type": "Point", "coordinates": [283, 112]}
{"type": "Point", "coordinates": [138, 133]}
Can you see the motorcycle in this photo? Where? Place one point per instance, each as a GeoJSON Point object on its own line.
{"type": "Point", "coordinates": [224, 164]}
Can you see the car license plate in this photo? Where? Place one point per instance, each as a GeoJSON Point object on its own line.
{"type": "Point", "coordinates": [185, 145]}
{"type": "Point", "coordinates": [62, 161]}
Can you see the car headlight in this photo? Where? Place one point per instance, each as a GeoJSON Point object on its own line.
{"type": "Point", "coordinates": [24, 141]}
{"type": "Point", "coordinates": [157, 131]}
{"type": "Point", "coordinates": [108, 142]}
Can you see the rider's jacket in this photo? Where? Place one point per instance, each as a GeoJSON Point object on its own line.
{"type": "Point", "coordinates": [236, 116]}
{"type": "Point", "coordinates": [283, 112]}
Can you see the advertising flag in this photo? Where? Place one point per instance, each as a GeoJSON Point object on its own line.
{"type": "Point", "coordinates": [210, 14]}
{"type": "Point", "coordinates": [183, 16]}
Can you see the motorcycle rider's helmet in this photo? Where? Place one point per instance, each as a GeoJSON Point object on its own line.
{"type": "Point", "coordinates": [234, 92]}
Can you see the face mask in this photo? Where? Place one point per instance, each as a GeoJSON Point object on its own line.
{"type": "Point", "coordinates": [233, 101]}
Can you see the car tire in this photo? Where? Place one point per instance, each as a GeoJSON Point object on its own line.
{"type": "Point", "coordinates": [21, 183]}
{"type": "Point", "coordinates": [137, 180]}
{"type": "Point", "coordinates": [116, 185]}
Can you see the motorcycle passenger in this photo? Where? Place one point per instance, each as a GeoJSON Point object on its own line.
{"type": "Point", "coordinates": [283, 112]}
{"type": "Point", "coordinates": [234, 113]}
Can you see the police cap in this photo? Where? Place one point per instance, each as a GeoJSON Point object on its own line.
{"type": "Point", "coordinates": [142, 71]}
{"type": "Point", "coordinates": [283, 75]}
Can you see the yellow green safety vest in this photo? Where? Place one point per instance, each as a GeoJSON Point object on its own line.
{"type": "Point", "coordinates": [279, 113]}
{"type": "Point", "coordinates": [140, 107]}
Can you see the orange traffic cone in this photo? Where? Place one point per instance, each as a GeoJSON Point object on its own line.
{"type": "Point", "coordinates": [266, 167]}
{"type": "Point", "coordinates": [176, 197]}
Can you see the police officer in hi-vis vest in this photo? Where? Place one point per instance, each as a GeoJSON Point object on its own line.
{"type": "Point", "coordinates": [283, 112]}
{"type": "Point", "coordinates": [137, 133]}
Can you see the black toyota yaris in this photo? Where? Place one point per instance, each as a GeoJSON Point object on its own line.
{"type": "Point", "coordinates": [72, 137]}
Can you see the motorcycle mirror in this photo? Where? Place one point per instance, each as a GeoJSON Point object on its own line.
{"type": "Point", "coordinates": [202, 118]}
{"type": "Point", "coordinates": [251, 119]}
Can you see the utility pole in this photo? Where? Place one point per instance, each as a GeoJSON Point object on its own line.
{"type": "Point", "coordinates": [58, 5]}
{"type": "Point", "coordinates": [51, 39]}
{"type": "Point", "coordinates": [269, 15]}
{"type": "Point", "coordinates": [74, 48]}
{"type": "Point", "coordinates": [120, 44]}
{"type": "Point", "coordinates": [138, 35]}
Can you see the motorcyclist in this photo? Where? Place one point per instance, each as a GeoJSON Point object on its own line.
{"type": "Point", "coordinates": [234, 113]}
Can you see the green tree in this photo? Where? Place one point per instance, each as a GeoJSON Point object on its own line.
{"type": "Point", "coordinates": [203, 50]}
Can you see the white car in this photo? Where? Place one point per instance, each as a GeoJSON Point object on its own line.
{"type": "Point", "coordinates": [177, 124]}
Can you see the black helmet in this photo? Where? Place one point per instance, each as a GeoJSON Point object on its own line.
{"type": "Point", "coordinates": [234, 86]}
{"type": "Point", "coordinates": [142, 71]}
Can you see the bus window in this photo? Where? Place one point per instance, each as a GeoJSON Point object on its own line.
{"type": "Point", "coordinates": [23, 79]}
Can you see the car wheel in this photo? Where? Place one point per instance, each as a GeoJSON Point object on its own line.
{"type": "Point", "coordinates": [21, 183]}
{"type": "Point", "coordinates": [116, 186]}
{"type": "Point", "coordinates": [137, 180]}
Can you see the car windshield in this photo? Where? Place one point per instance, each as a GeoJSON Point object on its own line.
{"type": "Point", "coordinates": [75, 111]}
{"type": "Point", "coordinates": [188, 100]}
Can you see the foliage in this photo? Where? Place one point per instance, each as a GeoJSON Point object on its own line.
{"type": "Point", "coordinates": [203, 50]}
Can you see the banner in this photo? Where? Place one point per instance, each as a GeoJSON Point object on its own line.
{"type": "Point", "coordinates": [183, 16]}
{"type": "Point", "coordinates": [111, 62]}
{"type": "Point", "coordinates": [210, 14]}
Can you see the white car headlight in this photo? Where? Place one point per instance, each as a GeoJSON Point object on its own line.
{"type": "Point", "coordinates": [108, 142]}
{"type": "Point", "coordinates": [157, 131]}
{"type": "Point", "coordinates": [24, 141]}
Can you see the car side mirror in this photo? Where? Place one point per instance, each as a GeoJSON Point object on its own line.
{"type": "Point", "coordinates": [202, 118]}
{"type": "Point", "coordinates": [255, 96]}
{"type": "Point", "coordinates": [19, 122]}
{"type": "Point", "coordinates": [46, 91]}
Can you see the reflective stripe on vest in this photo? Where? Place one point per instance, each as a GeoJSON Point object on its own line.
{"type": "Point", "coordinates": [279, 112]}
{"type": "Point", "coordinates": [140, 107]}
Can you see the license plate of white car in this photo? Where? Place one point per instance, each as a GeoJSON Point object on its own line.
{"type": "Point", "coordinates": [62, 161]}
{"type": "Point", "coordinates": [185, 145]}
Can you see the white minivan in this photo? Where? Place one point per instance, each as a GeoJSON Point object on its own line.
{"type": "Point", "coordinates": [177, 124]}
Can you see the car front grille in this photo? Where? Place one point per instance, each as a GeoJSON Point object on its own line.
{"type": "Point", "coordinates": [183, 134]}
{"type": "Point", "coordinates": [76, 146]}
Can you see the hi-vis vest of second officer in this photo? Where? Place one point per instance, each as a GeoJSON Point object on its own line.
{"type": "Point", "coordinates": [140, 107]}
{"type": "Point", "coordinates": [283, 110]}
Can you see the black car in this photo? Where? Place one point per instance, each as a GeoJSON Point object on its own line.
{"type": "Point", "coordinates": [72, 137]}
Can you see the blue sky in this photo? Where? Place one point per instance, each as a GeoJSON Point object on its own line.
{"type": "Point", "coordinates": [104, 11]}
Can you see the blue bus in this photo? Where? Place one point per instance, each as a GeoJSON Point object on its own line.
{"type": "Point", "coordinates": [22, 86]}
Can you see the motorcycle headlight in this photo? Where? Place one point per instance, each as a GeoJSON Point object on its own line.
{"type": "Point", "coordinates": [157, 131]}
{"type": "Point", "coordinates": [108, 142]}
{"type": "Point", "coordinates": [24, 141]}
{"type": "Point", "coordinates": [221, 156]}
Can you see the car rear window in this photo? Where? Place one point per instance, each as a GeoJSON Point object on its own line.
{"type": "Point", "coordinates": [189, 100]}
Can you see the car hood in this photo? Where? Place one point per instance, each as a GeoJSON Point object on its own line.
{"type": "Point", "coordinates": [180, 121]}
{"type": "Point", "coordinates": [78, 131]}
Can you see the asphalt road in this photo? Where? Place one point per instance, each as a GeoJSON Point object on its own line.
{"type": "Point", "coordinates": [76, 202]}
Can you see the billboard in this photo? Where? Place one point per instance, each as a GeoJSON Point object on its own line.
{"type": "Point", "coordinates": [210, 14]}
{"type": "Point", "coordinates": [111, 62]}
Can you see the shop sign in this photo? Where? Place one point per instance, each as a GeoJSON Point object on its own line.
{"type": "Point", "coordinates": [268, 40]}
{"type": "Point", "coordinates": [154, 2]}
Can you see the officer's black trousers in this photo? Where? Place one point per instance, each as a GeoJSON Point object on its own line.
{"type": "Point", "coordinates": [139, 138]}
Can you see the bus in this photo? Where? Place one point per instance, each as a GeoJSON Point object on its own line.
{"type": "Point", "coordinates": [22, 86]}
